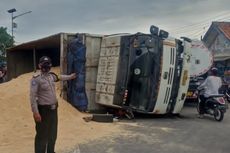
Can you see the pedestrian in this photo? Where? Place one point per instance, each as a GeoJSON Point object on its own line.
{"type": "Point", "coordinates": [1, 76]}
{"type": "Point", "coordinates": [44, 105]}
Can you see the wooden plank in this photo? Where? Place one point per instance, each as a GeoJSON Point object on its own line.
{"type": "Point", "coordinates": [63, 62]}
{"type": "Point", "coordinates": [107, 70]}
{"type": "Point", "coordinates": [93, 46]}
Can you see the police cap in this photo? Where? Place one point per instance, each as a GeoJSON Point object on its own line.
{"type": "Point", "coordinates": [44, 59]}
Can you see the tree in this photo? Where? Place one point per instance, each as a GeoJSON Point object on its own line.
{"type": "Point", "coordinates": [6, 41]}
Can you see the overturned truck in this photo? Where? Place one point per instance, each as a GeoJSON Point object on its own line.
{"type": "Point", "coordinates": [147, 73]}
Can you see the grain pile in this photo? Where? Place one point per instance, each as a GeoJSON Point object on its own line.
{"type": "Point", "coordinates": [17, 124]}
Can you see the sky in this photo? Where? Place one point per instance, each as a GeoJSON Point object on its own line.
{"type": "Point", "coordinates": [190, 18]}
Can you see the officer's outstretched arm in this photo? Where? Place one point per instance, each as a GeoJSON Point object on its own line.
{"type": "Point", "coordinates": [63, 77]}
{"type": "Point", "coordinates": [67, 77]}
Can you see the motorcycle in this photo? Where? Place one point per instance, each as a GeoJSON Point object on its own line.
{"type": "Point", "coordinates": [215, 106]}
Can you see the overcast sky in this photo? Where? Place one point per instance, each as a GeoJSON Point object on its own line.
{"type": "Point", "coordinates": [189, 18]}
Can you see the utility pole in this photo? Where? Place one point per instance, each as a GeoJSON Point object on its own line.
{"type": "Point", "coordinates": [13, 24]}
{"type": "Point", "coordinates": [12, 15]}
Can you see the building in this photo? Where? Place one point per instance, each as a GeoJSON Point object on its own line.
{"type": "Point", "coordinates": [217, 39]}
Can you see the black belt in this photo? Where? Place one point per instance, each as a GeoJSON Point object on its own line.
{"type": "Point", "coordinates": [51, 107]}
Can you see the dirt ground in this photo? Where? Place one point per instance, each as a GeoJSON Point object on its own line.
{"type": "Point", "coordinates": [17, 128]}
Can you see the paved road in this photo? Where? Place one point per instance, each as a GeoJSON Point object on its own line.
{"type": "Point", "coordinates": [185, 134]}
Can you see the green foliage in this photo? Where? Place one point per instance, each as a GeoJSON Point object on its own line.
{"type": "Point", "coordinates": [6, 41]}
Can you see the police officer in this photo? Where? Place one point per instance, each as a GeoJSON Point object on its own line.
{"type": "Point", "coordinates": [44, 105]}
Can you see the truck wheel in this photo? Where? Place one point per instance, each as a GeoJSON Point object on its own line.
{"type": "Point", "coordinates": [218, 114]}
{"type": "Point", "coordinates": [129, 114]}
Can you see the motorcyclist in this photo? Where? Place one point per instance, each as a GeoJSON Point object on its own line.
{"type": "Point", "coordinates": [210, 86]}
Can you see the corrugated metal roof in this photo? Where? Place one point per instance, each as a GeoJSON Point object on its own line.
{"type": "Point", "coordinates": [52, 41]}
{"type": "Point", "coordinates": [47, 42]}
{"type": "Point", "coordinates": [214, 30]}
{"type": "Point", "coordinates": [225, 28]}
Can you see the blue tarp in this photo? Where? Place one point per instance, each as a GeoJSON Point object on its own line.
{"type": "Point", "coordinates": [76, 64]}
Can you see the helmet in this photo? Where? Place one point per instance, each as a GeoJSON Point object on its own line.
{"type": "Point", "coordinates": [214, 70]}
{"type": "Point", "coordinates": [45, 64]}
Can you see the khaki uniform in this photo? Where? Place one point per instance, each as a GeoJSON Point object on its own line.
{"type": "Point", "coordinates": [42, 90]}
{"type": "Point", "coordinates": [43, 101]}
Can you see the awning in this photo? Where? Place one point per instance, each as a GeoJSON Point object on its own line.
{"type": "Point", "coordinates": [48, 42]}
{"type": "Point", "coordinates": [221, 57]}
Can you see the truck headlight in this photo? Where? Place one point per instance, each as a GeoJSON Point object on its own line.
{"type": "Point", "coordinates": [137, 71]}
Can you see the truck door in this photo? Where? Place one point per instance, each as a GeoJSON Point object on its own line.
{"type": "Point", "coordinates": [145, 54]}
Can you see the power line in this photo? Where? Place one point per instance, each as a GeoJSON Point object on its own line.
{"type": "Point", "coordinates": [201, 25]}
{"type": "Point", "coordinates": [201, 22]}
{"type": "Point", "coordinates": [198, 29]}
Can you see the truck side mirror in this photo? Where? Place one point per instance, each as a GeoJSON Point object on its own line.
{"type": "Point", "coordinates": [154, 30]}
{"type": "Point", "coordinates": [163, 34]}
